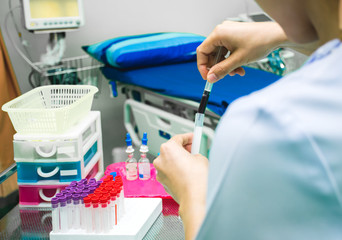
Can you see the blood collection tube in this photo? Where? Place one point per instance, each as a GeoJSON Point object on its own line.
{"type": "Point", "coordinates": [55, 214]}
{"type": "Point", "coordinates": [96, 215]}
{"type": "Point", "coordinates": [113, 212]}
{"type": "Point", "coordinates": [104, 214]}
{"type": "Point", "coordinates": [64, 191]}
{"type": "Point", "coordinates": [92, 180]}
{"type": "Point", "coordinates": [73, 184]}
{"type": "Point", "coordinates": [115, 207]}
{"type": "Point", "coordinates": [70, 209]}
{"type": "Point", "coordinates": [120, 198]}
{"type": "Point", "coordinates": [77, 211]}
{"type": "Point", "coordinates": [86, 191]}
{"type": "Point", "coordinates": [118, 179]}
{"type": "Point", "coordinates": [88, 214]}
{"type": "Point", "coordinates": [92, 189]}
{"type": "Point", "coordinates": [82, 208]}
{"type": "Point", "coordinates": [97, 191]}
{"type": "Point", "coordinates": [98, 183]}
{"type": "Point", "coordinates": [78, 191]}
{"type": "Point", "coordinates": [59, 195]}
{"type": "Point", "coordinates": [64, 225]}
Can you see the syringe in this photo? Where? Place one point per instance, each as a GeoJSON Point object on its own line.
{"type": "Point", "coordinates": [199, 117]}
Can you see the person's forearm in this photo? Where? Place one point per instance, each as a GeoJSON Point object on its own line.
{"type": "Point", "coordinates": [192, 214]}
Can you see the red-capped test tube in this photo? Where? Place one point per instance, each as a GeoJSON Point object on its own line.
{"type": "Point", "coordinates": [96, 214]}
{"type": "Point", "coordinates": [104, 214]}
{"type": "Point", "coordinates": [88, 214]}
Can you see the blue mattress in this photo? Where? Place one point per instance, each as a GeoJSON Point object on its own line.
{"type": "Point", "coordinates": [184, 81]}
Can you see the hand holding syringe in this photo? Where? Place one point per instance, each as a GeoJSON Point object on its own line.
{"type": "Point", "coordinates": [199, 117]}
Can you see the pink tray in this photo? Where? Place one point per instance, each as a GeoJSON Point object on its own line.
{"type": "Point", "coordinates": [139, 188]}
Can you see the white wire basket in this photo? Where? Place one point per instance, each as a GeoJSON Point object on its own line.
{"type": "Point", "coordinates": [51, 109]}
{"type": "Point", "coordinates": [81, 70]}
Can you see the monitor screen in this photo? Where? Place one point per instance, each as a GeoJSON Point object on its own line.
{"type": "Point", "coordinates": [53, 8]}
{"type": "Point", "coordinates": [53, 14]}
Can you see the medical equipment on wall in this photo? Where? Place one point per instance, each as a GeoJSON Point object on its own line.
{"type": "Point", "coordinates": [53, 14]}
{"type": "Point", "coordinates": [55, 18]}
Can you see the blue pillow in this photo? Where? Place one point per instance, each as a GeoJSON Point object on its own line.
{"type": "Point", "coordinates": [146, 50]}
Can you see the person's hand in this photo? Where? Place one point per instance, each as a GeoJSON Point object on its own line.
{"type": "Point", "coordinates": [185, 177]}
{"type": "Point", "coordinates": [247, 42]}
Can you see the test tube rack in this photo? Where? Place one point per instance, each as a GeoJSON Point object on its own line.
{"type": "Point", "coordinates": [140, 214]}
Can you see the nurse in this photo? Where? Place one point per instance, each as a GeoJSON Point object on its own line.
{"type": "Point", "coordinates": [275, 166]}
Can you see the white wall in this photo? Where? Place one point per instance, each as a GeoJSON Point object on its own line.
{"type": "Point", "coordinates": [110, 18]}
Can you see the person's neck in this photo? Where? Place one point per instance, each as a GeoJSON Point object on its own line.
{"type": "Point", "coordinates": [324, 17]}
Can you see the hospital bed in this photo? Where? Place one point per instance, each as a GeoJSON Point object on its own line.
{"type": "Point", "coordinates": [162, 100]}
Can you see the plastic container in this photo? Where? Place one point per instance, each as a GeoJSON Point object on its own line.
{"type": "Point", "coordinates": [57, 173]}
{"type": "Point", "coordinates": [33, 195]}
{"type": "Point", "coordinates": [77, 143]}
{"type": "Point", "coordinates": [51, 109]}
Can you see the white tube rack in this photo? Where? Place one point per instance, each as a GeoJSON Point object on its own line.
{"type": "Point", "coordinates": [140, 214]}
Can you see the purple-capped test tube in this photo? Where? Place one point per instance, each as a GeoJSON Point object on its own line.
{"type": "Point", "coordinates": [63, 214]}
{"type": "Point", "coordinates": [92, 189]}
{"type": "Point", "coordinates": [86, 191]}
{"type": "Point", "coordinates": [69, 207]}
{"type": "Point", "coordinates": [78, 191]}
{"type": "Point", "coordinates": [59, 195]}
{"type": "Point", "coordinates": [64, 191]}
{"type": "Point", "coordinates": [55, 214]}
{"type": "Point", "coordinates": [99, 183]}
{"type": "Point", "coordinates": [73, 183]}
{"type": "Point", "coordinates": [82, 207]}
{"type": "Point", "coordinates": [84, 181]}
{"type": "Point", "coordinates": [77, 210]}
{"type": "Point", "coordinates": [92, 180]}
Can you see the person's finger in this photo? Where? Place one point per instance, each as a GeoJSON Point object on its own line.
{"type": "Point", "coordinates": [204, 53]}
{"type": "Point", "coordinates": [221, 69]}
{"type": "Point", "coordinates": [183, 139]}
{"type": "Point", "coordinates": [240, 71]}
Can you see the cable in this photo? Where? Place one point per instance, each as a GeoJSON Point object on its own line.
{"type": "Point", "coordinates": [17, 29]}
{"type": "Point", "coordinates": [12, 41]}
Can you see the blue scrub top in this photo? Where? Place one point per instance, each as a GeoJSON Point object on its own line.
{"type": "Point", "coordinates": [275, 167]}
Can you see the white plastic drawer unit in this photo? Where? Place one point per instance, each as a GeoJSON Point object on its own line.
{"type": "Point", "coordinates": [71, 146]}
{"type": "Point", "coordinates": [36, 171]}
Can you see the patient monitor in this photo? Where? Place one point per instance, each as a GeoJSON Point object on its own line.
{"type": "Point", "coordinates": [53, 14]}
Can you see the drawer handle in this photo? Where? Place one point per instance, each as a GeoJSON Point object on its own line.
{"type": "Point", "coordinates": [45, 198]}
{"type": "Point", "coordinates": [49, 174]}
{"type": "Point", "coordinates": [44, 154]}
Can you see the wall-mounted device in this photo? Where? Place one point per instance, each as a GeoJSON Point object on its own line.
{"type": "Point", "coordinates": [53, 14]}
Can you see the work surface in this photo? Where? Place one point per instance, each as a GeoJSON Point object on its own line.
{"type": "Point", "coordinates": [35, 223]}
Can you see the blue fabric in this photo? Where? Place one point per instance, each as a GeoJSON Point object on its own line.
{"type": "Point", "coordinates": [146, 50]}
{"type": "Point", "coordinates": [98, 50]}
{"type": "Point", "coordinates": [184, 81]}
